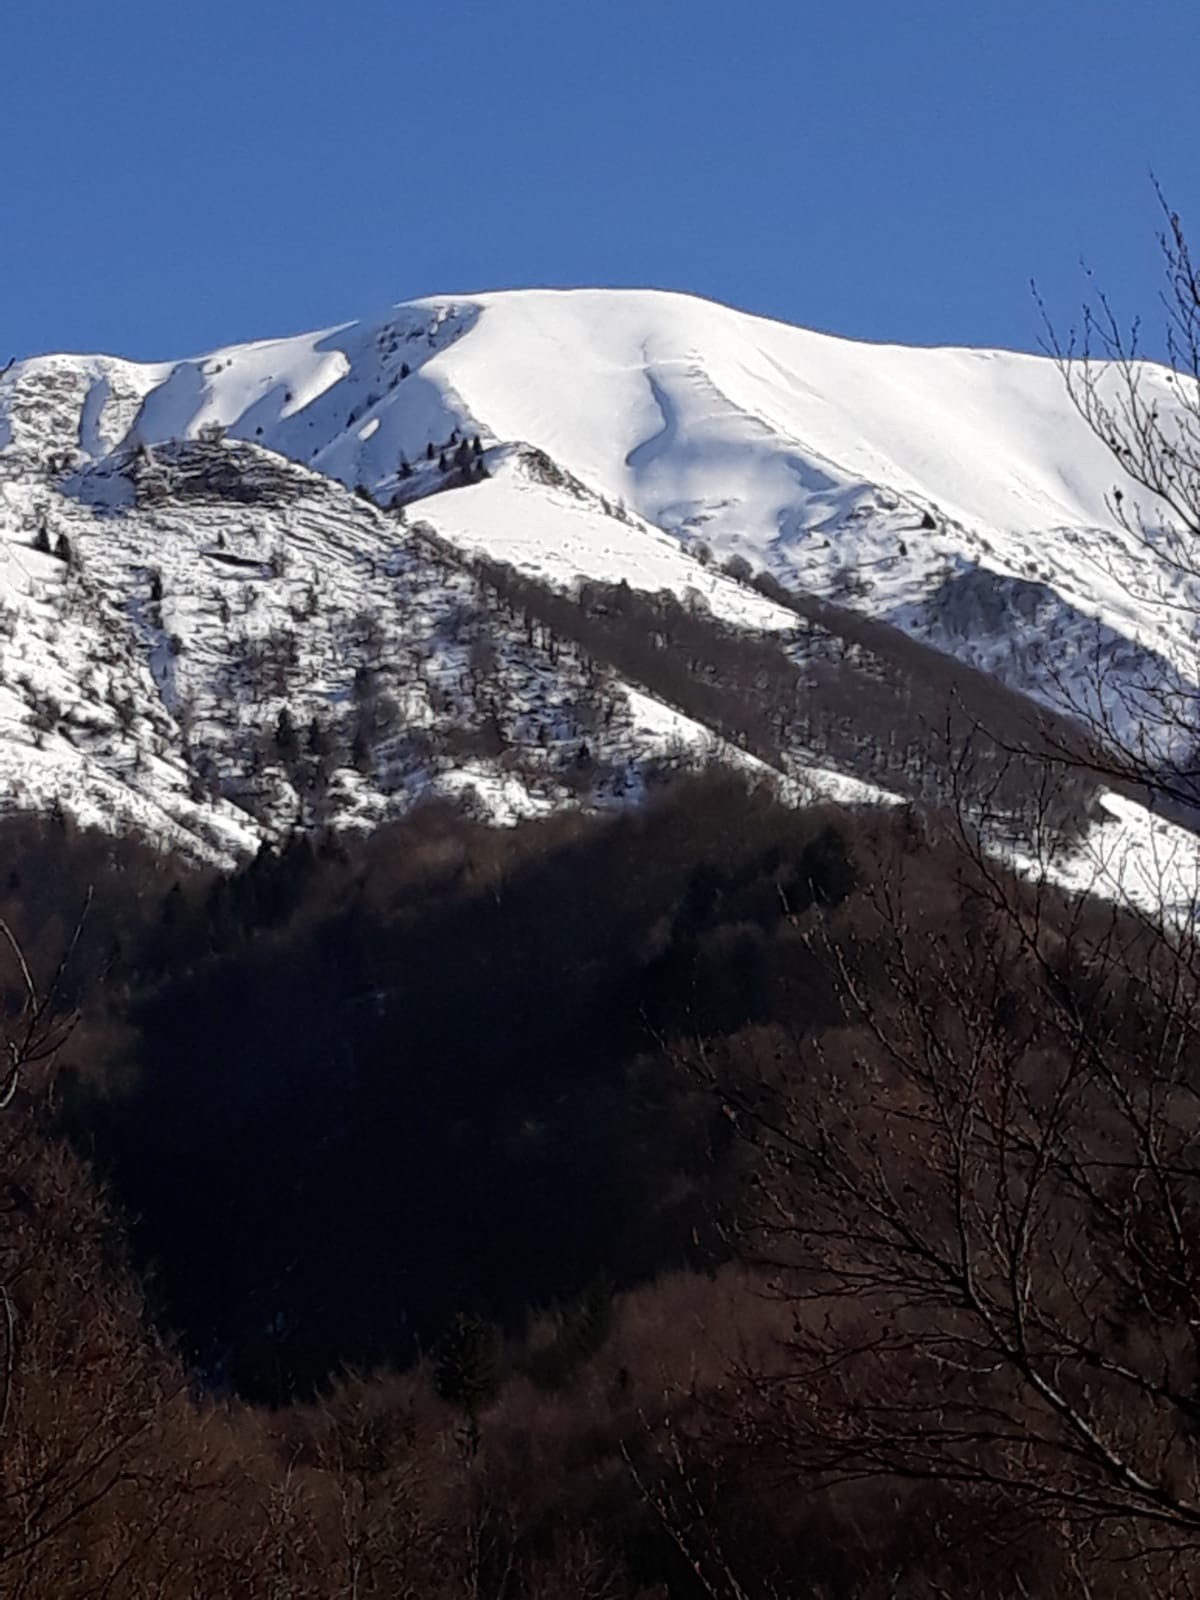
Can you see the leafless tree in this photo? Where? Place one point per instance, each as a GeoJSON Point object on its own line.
{"type": "Point", "coordinates": [1146, 717]}
{"type": "Point", "coordinates": [33, 1036]}
{"type": "Point", "coordinates": [980, 1195]}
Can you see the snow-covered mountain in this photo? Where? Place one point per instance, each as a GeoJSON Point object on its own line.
{"type": "Point", "coordinates": [754, 437]}
{"type": "Point", "coordinates": [286, 530]}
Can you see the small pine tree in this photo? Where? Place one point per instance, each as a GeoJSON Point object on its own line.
{"type": "Point", "coordinates": [405, 369]}
{"type": "Point", "coordinates": [285, 734]}
{"type": "Point", "coordinates": [41, 539]}
{"type": "Point", "coordinates": [442, 462]}
{"type": "Point", "coordinates": [62, 548]}
{"type": "Point", "coordinates": [429, 451]}
{"type": "Point", "coordinates": [466, 1366]}
{"type": "Point", "coordinates": [476, 445]}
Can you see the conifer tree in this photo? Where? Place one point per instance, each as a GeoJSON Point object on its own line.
{"type": "Point", "coordinates": [466, 1367]}
{"type": "Point", "coordinates": [285, 734]}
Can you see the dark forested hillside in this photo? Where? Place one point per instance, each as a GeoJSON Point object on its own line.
{"type": "Point", "coordinates": [354, 1092]}
{"type": "Point", "coordinates": [715, 1198]}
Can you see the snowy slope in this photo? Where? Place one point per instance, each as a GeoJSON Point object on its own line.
{"type": "Point", "coordinates": [226, 645]}
{"type": "Point", "coordinates": [560, 532]}
{"type": "Point", "coordinates": [597, 436]}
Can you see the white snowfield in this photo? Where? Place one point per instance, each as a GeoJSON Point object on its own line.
{"type": "Point", "coordinates": [683, 407]}
{"type": "Point", "coordinates": [954, 492]}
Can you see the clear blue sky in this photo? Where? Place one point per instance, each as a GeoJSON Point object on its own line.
{"type": "Point", "coordinates": [179, 176]}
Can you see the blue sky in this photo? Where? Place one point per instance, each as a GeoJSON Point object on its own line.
{"type": "Point", "coordinates": [183, 176]}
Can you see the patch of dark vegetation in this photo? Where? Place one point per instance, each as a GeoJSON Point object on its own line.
{"type": "Point", "coordinates": [441, 1064]}
{"type": "Point", "coordinates": [635, 1149]}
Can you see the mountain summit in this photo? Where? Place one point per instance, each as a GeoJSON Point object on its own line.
{"type": "Point", "coordinates": [279, 584]}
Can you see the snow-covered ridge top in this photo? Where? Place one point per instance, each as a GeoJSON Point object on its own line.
{"type": "Point", "coordinates": [679, 405]}
{"type": "Point", "coordinates": [818, 457]}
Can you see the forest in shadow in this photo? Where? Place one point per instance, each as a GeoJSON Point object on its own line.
{"type": "Point", "coordinates": [716, 1198]}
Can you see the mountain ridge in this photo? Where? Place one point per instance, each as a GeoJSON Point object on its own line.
{"type": "Point", "coordinates": [772, 436]}
{"type": "Point", "coordinates": [580, 437]}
